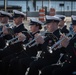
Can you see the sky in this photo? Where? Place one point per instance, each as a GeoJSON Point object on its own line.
{"type": "Point", "coordinates": [41, 0]}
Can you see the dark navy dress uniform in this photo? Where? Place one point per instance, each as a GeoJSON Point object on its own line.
{"type": "Point", "coordinates": [20, 65]}
{"type": "Point", "coordinates": [46, 57]}
{"type": "Point", "coordinates": [64, 28]}
{"type": "Point", "coordinates": [2, 39]}
{"type": "Point", "coordinates": [69, 64]}
{"type": "Point", "coordinates": [13, 50]}
{"type": "Point", "coordinates": [15, 47]}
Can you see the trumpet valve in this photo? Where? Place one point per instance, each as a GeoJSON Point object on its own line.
{"type": "Point", "coordinates": [24, 47]}
{"type": "Point", "coordinates": [7, 44]}
{"type": "Point", "coordinates": [50, 50]}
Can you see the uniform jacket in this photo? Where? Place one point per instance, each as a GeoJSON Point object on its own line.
{"type": "Point", "coordinates": [17, 47]}
{"type": "Point", "coordinates": [49, 41]}
{"type": "Point", "coordinates": [70, 56]}
{"type": "Point", "coordinates": [33, 50]}
{"type": "Point", "coordinates": [64, 30]}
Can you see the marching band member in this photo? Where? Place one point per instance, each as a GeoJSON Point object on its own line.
{"type": "Point", "coordinates": [46, 57]}
{"type": "Point", "coordinates": [11, 51]}
{"type": "Point", "coordinates": [18, 20]}
{"type": "Point", "coordinates": [69, 64]}
{"type": "Point", "coordinates": [62, 26]}
{"type": "Point", "coordinates": [20, 65]}
{"type": "Point", "coordinates": [63, 29]}
{"type": "Point", "coordinates": [4, 24]}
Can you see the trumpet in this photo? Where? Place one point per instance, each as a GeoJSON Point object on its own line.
{"type": "Point", "coordinates": [35, 43]}
{"type": "Point", "coordinates": [58, 43]}
{"type": "Point", "coordinates": [15, 39]}
{"type": "Point", "coordinates": [10, 41]}
{"type": "Point", "coordinates": [44, 37]}
{"type": "Point", "coordinates": [31, 42]}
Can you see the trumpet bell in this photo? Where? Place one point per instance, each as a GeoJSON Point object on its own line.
{"type": "Point", "coordinates": [7, 44]}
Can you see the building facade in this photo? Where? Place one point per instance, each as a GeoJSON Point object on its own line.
{"type": "Point", "coordinates": [66, 7]}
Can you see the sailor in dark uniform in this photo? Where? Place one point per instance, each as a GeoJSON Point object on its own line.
{"type": "Point", "coordinates": [62, 26]}
{"type": "Point", "coordinates": [69, 64]}
{"type": "Point", "coordinates": [63, 29]}
{"type": "Point", "coordinates": [4, 23]}
{"type": "Point", "coordinates": [52, 35]}
{"type": "Point", "coordinates": [16, 29]}
{"type": "Point", "coordinates": [0, 21]}
{"type": "Point", "coordinates": [11, 51]}
{"type": "Point", "coordinates": [20, 67]}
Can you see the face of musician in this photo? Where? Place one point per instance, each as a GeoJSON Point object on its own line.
{"type": "Point", "coordinates": [61, 23]}
{"type": "Point", "coordinates": [74, 28]}
{"type": "Point", "coordinates": [18, 20]}
{"type": "Point", "coordinates": [34, 28]}
{"type": "Point", "coordinates": [5, 20]}
{"type": "Point", "coordinates": [52, 26]}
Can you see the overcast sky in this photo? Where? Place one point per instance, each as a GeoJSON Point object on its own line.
{"type": "Point", "coordinates": [40, 0]}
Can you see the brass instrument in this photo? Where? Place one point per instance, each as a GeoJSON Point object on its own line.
{"type": "Point", "coordinates": [35, 43]}
{"type": "Point", "coordinates": [44, 37]}
{"type": "Point", "coordinates": [15, 39]}
{"type": "Point", "coordinates": [58, 43]}
{"type": "Point", "coordinates": [11, 40]}
{"type": "Point", "coordinates": [30, 44]}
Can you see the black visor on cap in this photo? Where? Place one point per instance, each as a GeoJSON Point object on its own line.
{"type": "Point", "coordinates": [49, 21]}
{"type": "Point", "coordinates": [3, 15]}
{"type": "Point", "coordinates": [62, 18]}
{"type": "Point", "coordinates": [35, 23]}
{"type": "Point", "coordinates": [17, 15]}
{"type": "Point", "coordinates": [74, 22]}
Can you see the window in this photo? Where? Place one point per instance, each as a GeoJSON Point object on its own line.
{"type": "Point", "coordinates": [67, 7]}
